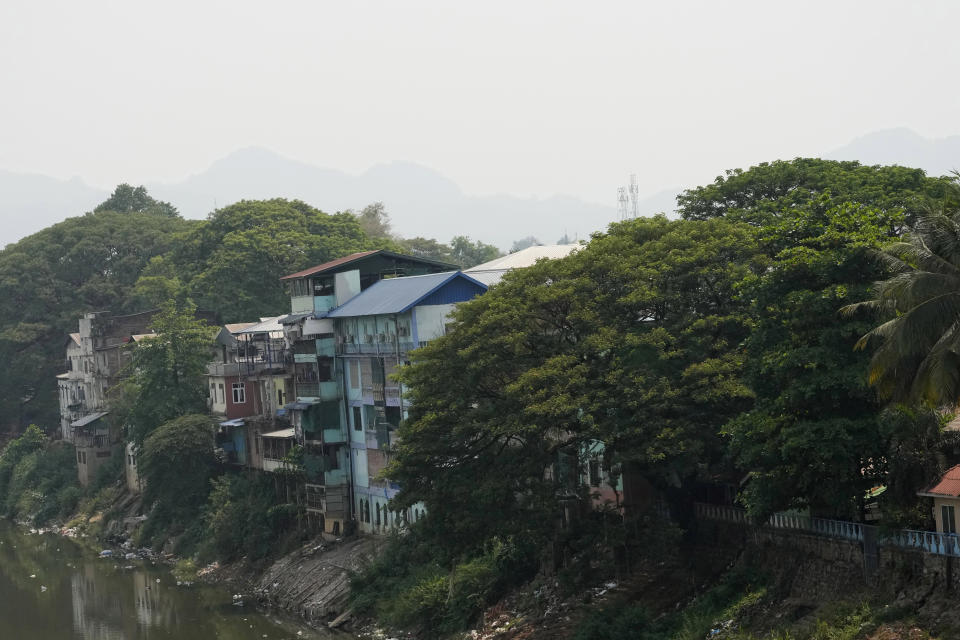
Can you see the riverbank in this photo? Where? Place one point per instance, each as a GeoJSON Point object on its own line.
{"type": "Point", "coordinates": [732, 590]}
{"type": "Point", "coordinates": [52, 587]}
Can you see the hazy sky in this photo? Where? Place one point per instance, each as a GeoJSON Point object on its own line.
{"type": "Point", "coordinates": [529, 98]}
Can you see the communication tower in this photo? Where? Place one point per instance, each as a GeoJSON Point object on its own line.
{"type": "Point", "coordinates": [622, 202]}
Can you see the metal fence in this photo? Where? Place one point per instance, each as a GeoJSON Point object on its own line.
{"type": "Point", "coordinates": [945, 544]}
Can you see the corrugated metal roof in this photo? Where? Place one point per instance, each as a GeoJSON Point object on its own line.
{"type": "Point", "coordinates": [396, 295]}
{"type": "Point", "coordinates": [339, 262]}
{"type": "Point", "coordinates": [282, 433]}
{"type": "Point", "coordinates": [293, 318]}
{"type": "Point", "coordinates": [270, 325]}
{"type": "Point", "coordinates": [238, 326]}
{"type": "Point", "coordinates": [490, 277]}
{"type": "Point", "coordinates": [85, 420]}
{"type": "Point", "coordinates": [526, 257]}
{"type": "Point", "coordinates": [75, 337]}
{"type": "Point", "coordinates": [236, 422]}
{"type": "Point", "coordinates": [949, 484]}
{"type": "Point", "coordinates": [320, 268]}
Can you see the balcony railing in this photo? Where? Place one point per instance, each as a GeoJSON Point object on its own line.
{"type": "Point", "coordinates": [223, 369]}
{"type": "Point", "coordinates": [944, 544]}
{"type": "Point", "coordinates": [375, 348]}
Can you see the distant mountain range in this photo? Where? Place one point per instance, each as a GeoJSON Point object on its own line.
{"type": "Point", "coordinates": [30, 202]}
{"type": "Point", "coordinates": [420, 200]}
{"type": "Point", "coordinates": [936, 156]}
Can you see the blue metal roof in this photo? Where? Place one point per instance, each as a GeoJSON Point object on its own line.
{"type": "Point", "coordinates": [396, 295]}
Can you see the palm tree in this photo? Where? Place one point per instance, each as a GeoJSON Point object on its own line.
{"type": "Point", "coordinates": [917, 356]}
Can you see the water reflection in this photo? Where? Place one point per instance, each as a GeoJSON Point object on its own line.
{"type": "Point", "coordinates": [52, 589]}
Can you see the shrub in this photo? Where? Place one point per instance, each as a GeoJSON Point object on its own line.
{"type": "Point", "coordinates": [242, 519]}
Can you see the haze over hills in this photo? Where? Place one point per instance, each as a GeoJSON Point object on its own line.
{"type": "Point", "coordinates": [30, 202]}
{"type": "Point", "coordinates": [902, 146]}
{"type": "Point", "coordinates": [421, 201]}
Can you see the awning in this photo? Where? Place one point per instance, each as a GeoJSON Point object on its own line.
{"type": "Point", "coordinates": [236, 422]}
{"type": "Point", "coordinates": [317, 326]}
{"type": "Point", "coordinates": [282, 433]}
{"type": "Point", "coordinates": [294, 318]}
{"type": "Point", "coordinates": [85, 420]}
{"type": "Point", "coordinates": [299, 406]}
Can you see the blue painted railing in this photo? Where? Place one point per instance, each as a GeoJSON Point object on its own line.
{"type": "Point", "coordinates": [944, 544]}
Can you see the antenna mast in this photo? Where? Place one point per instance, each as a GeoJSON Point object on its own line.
{"type": "Point", "coordinates": [634, 197]}
{"type": "Point", "coordinates": [622, 202]}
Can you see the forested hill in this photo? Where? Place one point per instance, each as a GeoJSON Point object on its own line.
{"type": "Point", "coordinates": [132, 252]}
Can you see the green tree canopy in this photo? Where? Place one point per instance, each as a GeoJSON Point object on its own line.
{"type": "Point", "coordinates": [48, 280]}
{"type": "Point", "coordinates": [426, 248]}
{"type": "Point", "coordinates": [916, 348]}
{"type": "Point", "coordinates": [467, 253]}
{"type": "Point", "coordinates": [633, 342]}
{"type": "Point", "coordinates": [233, 261]}
{"type": "Point", "coordinates": [166, 373]}
{"type": "Point", "coordinates": [128, 199]}
{"type": "Point", "coordinates": [813, 430]}
{"type": "Point", "coordinates": [770, 189]}
{"type": "Point", "coordinates": [177, 463]}
{"type": "Point", "coordinates": [375, 221]}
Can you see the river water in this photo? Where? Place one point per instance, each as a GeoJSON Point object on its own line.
{"type": "Point", "coordinates": [52, 588]}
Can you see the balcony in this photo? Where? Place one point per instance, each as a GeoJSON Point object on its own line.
{"type": "Point", "coordinates": [374, 348]}
{"type": "Point", "coordinates": [223, 369]}
{"type": "Point", "coordinates": [316, 497]}
{"type": "Point", "coordinates": [329, 390]}
{"type": "Point", "coordinates": [272, 464]}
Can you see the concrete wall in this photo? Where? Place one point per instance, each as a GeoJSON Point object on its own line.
{"type": "Point", "coordinates": [814, 568]}
{"type": "Point", "coordinates": [431, 321]}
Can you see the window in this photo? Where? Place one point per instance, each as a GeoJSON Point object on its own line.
{"type": "Point", "coordinates": [299, 288]}
{"type": "Point", "coordinates": [948, 517]}
{"type": "Point", "coordinates": [324, 369]}
{"type": "Point", "coordinates": [222, 398]}
{"type": "Point", "coordinates": [394, 416]}
{"type": "Point", "coordinates": [357, 419]}
{"type": "Point", "coordinates": [323, 286]}
{"type": "Point", "coordinates": [594, 473]}
{"type": "Point", "coordinates": [280, 397]}
{"type": "Point", "coordinates": [239, 392]}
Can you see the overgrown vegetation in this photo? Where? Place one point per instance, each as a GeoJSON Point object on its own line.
{"type": "Point", "coordinates": [410, 587]}
{"type": "Point", "coordinates": [738, 590]}
{"type": "Point", "coordinates": [38, 478]}
{"type": "Point", "coordinates": [243, 517]}
{"type": "Point", "coordinates": [689, 351]}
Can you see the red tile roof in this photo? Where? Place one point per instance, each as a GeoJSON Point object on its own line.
{"type": "Point", "coordinates": [949, 484]}
{"type": "Point", "coordinates": [328, 265]}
